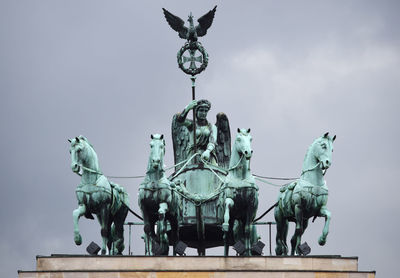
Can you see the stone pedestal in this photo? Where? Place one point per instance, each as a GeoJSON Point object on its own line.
{"type": "Point", "coordinates": [70, 266]}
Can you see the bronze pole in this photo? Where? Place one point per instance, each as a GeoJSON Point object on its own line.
{"type": "Point", "coordinates": [193, 78]}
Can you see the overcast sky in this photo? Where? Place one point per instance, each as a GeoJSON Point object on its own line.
{"type": "Point", "coordinates": [289, 70]}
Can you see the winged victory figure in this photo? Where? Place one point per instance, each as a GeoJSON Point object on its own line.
{"type": "Point", "coordinates": [213, 142]}
{"type": "Point", "coordinates": [192, 33]}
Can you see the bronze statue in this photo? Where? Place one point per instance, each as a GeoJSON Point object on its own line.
{"type": "Point", "coordinates": [212, 141]}
{"type": "Point", "coordinates": [192, 32]}
{"type": "Point", "coordinates": [239, 197]}
{"type": "Point", "coordinates": [158, 202]}
{"type": "Point", "coordinates": [97, 195]}
{"type": "Point", "coordinates": [306, 197]}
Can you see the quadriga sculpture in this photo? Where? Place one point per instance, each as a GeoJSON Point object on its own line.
{"type": "Point", "coordinates": [158, 201]}
{"type": "Point", "coordinates": [97, 195]}
{"type": "Point", "coordinates": [239, 196]}
{"type": "Point", "coordinates": [306, 197]}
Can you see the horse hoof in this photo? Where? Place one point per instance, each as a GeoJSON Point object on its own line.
{"type": "Point", "coordinates": [321, 241]}
{"type": "Point", "coordinates": [78, 239]}
{"type": "Point", "coordinates": [103, 251]}
{"type": "Point", "coordinates": [225, 227]}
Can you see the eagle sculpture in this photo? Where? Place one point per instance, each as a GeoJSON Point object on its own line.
{"type": "Point", "coordinates": [192, 32]}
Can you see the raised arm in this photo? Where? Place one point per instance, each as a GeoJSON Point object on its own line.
{"type": "Point", "coordinates": [182, 117]}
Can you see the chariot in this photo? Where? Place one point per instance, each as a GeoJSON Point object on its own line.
{"type": "Point", "coordinates": [208, 183]}
{"type": "Point", "coordinates": [202, 216]}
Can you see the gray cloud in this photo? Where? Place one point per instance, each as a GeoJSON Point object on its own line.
{"type": "Point", "coordinates": [289, 70]}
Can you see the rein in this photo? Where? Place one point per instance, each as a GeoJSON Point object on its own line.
{"type": "Point", "coordinates": [311, 169]}
{"type": "Point", "coordinates": [87, 169]}
{"type": "Point", "coordinates": [237, 164]}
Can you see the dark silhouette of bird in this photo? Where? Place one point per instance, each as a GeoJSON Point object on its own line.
{"type": "Point", "coordinates": [192, 32]}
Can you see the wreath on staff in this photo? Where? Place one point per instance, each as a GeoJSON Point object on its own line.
{"type": "Point", "coordinates": [192, 46]}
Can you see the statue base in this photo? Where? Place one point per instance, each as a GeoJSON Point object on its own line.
{"type": "Point", "coordinates": [140, 266]}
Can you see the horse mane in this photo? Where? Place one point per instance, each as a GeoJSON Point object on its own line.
{"type": "Point", "coordinates": [309, 150]}
{"type": "Point", "coordinates": [87, 141]}
{"type": "Point", "coordinates": [234, 156]}
{"type": "Point", "coordinates": [91, 148]}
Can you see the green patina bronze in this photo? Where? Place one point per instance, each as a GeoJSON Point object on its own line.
{"type": "Point", "coordinates": [201, 164]}
{"type": "Point", "coordinates": [239, 196]}
{"type": "Point", "coordinates": [306, 197]}
{"type": "Point", "coordinates": [158, 202]}
{"type": "Point", "coordinates": [192, 46]}
{"type": "Point", "coordinates": [212, 142]}
{"type": "Point", "coordinates": [97, 195]}
{"type": "Point", "coordinates": [219, 195]}
{"type": "Point", "coordinates": [211, 199]}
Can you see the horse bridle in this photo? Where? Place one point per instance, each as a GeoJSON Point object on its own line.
{"type": "Point", "coordinates": [87, 169]}
{"type": "Point", "coordinates": [313, 168]}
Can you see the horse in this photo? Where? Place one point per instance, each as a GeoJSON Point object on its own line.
{"type": "Point", "coordinates": [239, 198]}
{"type": "Point", "coordinates": [97, 195]}
{"type": "Point", "coordinates": [305, 198]}
{"type": "Point", "coordinates": [158, 202]}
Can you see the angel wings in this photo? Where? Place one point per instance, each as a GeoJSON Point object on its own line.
{"type": "Point", "coordinates": [192, 32]}
{"type": "Point", "coordinates": [182, 141]}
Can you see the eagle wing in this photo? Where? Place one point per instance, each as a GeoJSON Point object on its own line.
{"type": "Point", "coordinates": [176, 23]}
{"type": "Point", "coordinates": [205, 22]}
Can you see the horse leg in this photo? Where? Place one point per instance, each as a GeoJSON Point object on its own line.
{"type": "Point", "coordinates": [324, 212]}
{"type": "Point", "coordinates": [305, 225]}
{"type": "Point", "coordinates": [103, 218]}
{"type": "Point", "coordinates": [76, 214]}
{"type": "Point", "coordinates": [228, 205]}
{"type": "Point", "coordinates": [285, 229]}
{"type": "Point", "coordinates": [111, 238]}
{"type": "Point", "coordinates": [162, 228]}
{"type": "Point", "coordinates": [225, 226]}
{"type": "Point", "coordinates": [282, 226]}
{"type": "Point", "coordinates": [118, 232]}
{"type": "Point", "coordinates": [296, 239]}
{"type": "Point", "coordinates": [174, 232]}
{"type": "Point", "coordinates": [247, 230]}
{"type": "Point", "coordinates": [148, 229]}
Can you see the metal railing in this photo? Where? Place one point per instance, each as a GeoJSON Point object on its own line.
{"type": "Point", "coordinates": [130, 224]}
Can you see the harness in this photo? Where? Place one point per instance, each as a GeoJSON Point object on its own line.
{"type": "Point", "coordinates": [311, 169]}
{"type": "Point", "coordinates": [154, 186]}
{"type": "Point", "coordinates": [91, 188]}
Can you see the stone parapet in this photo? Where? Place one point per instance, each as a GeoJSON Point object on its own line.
{"type": "Point", "coordinates": [60, 266]}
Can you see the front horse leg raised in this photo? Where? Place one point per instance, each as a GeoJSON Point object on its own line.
{"type": "Point", "coordinates": [228, 205]}
{"type": "Point", "coordinates": [324, 212]}
{"type": "Point", "coordinates": [76, 214]}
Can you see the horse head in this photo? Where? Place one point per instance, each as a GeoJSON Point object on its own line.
{"type": "Point", "coordinates": [80, 151]}
{"type": "Point", "coordinates": [243, 143]}
{"type": "Point", "coordinates": [157, 152]}
{"type": "Point", "coordinates": [322, 150]}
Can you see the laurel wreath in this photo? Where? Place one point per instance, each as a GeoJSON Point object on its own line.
{"type": "Point", "coordinates": [192, 46]}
